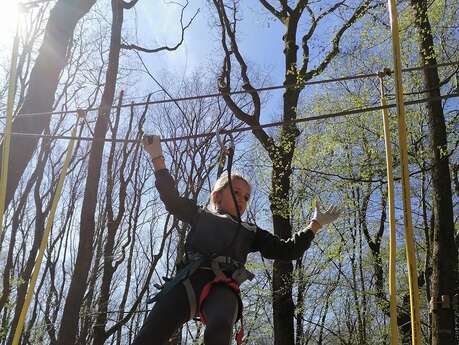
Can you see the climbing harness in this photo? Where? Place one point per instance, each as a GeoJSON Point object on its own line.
{"type": "Point", "coordinates": [233, 284]}
{"type": "Point", "coordinates": [226, 269]}
{"type": "Point", "coordinates": [217, 265]}
{"type": "Point", "coordinates": [182, 275]}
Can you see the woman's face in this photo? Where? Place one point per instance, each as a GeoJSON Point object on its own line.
{"type": "Point", "coordinates": [224, 199]}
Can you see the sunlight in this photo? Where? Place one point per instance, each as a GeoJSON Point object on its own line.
{"type": "Point", "coordinates": [8, 19]}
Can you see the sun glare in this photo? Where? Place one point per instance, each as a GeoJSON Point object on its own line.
{"type": "Point", "coordinates": [8, 19]}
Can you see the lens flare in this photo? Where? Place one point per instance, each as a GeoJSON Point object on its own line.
{"type": "Point", "coordinates": [8, 18]}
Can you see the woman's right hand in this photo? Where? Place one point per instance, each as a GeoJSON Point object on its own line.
{"type": "Point", "coordinates": [152, 144]}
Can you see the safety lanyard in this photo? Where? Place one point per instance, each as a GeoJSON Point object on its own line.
{"type": "Point", "coordinates": [227, 151]}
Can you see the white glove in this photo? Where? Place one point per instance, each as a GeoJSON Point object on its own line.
{"type": "Point", "coordinates": [327, 217]}
{"type": "Point", "coordinates": [152, 144]}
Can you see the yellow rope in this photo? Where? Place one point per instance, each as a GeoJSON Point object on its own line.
{"type": "Point", "coordinates": [9, 125]}
{"type": "Point", "coordinates": [410, 246]}
{"type": "Point", "coordinates": [391, 207]}
{"type": "Point", "coordinates": [44, 240]}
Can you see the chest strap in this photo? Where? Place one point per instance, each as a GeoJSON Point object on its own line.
{"type": "Point", "coordinates": [224, 263]}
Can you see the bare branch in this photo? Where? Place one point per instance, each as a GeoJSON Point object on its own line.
{"type": "Point", "coordinates": [155, 50]}
{"type": "Point", "coordinates": [281, 15]}
{"type": "Point", "coordinates": [298, 11]}
{"type": "Point", "coordinates": [225, 78]}
{"type": "Point", "coordinates": [129, 5]}
{"type": "Point", "coordinates": [359, 12]}
{"type": "Point", "coordinates": [314, 22]}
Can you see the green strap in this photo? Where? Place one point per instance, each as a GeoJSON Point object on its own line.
{"type": "Point", "coordinates": [181, 275]}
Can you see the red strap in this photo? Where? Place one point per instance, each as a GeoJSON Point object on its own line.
{"type": "Point", "coordinates": [240, 333]}
{"type": "Point", "coordinates": [233, 285]}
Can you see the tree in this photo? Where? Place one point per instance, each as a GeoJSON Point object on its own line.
{"type": "Point", "coordinates": [281, 152]}
{"type": "Point", "coordinates": [69, 324]}
{"type": "Point", "coordinates": [43, 82]}
{"type": "Point", "coordinates": [444, 250]}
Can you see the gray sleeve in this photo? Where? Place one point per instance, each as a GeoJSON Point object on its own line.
{"type": "Point", "coordinates": [272, 247]}
{"type": "Point", "coordinates": [183, 208]}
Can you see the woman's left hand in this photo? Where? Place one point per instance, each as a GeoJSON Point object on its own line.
{"type": "Point", "coordinates": [325, 217]}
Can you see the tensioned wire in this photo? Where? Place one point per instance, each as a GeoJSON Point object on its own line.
{"type": "Point", "coordinates": [237, 92]}
{"type": "Point", "coordinates": [248, 128]}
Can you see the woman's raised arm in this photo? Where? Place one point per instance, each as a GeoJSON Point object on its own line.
{"type": "Point", "coordinates": [185, 209]}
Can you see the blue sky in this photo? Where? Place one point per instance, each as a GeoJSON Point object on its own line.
{"type": "Point", "coordinates": [260, 41]}
{"type": "Point", "coordinates": [157, 23]}
{"type": "Point", "coordinates": [259, 38]}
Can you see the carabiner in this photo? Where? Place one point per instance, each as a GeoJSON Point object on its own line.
{"type": "Point", "coordinates": [222, 143]}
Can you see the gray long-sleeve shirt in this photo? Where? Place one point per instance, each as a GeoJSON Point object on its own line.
{"type": "Point", "coordinates": [215, 233]}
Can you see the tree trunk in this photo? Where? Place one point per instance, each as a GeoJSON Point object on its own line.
{"type": "Point", "coordinates": [40, 219]}
{"type": "Point", "coordinates": [69, 325]}
{"type": "Point", "coordinates": [444, 258]}
{"type": "Point", "coordinates": [283, 306]}
{"type": "Point", "coordinates": [42, 86]}
{"type": "Point", "coordinates": [280, 153]}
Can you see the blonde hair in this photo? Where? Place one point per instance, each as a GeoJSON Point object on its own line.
{"type": "Point", "coordinates": [221, 183]}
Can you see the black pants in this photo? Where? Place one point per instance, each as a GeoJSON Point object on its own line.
{"type": "Point", "coordinates": [172, 311]}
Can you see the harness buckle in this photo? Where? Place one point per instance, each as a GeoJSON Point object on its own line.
{"type": "Point", "coordinates": [241, 275]}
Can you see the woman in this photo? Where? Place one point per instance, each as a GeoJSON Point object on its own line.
{"type": "Point", "coordinates": [216, 249]}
